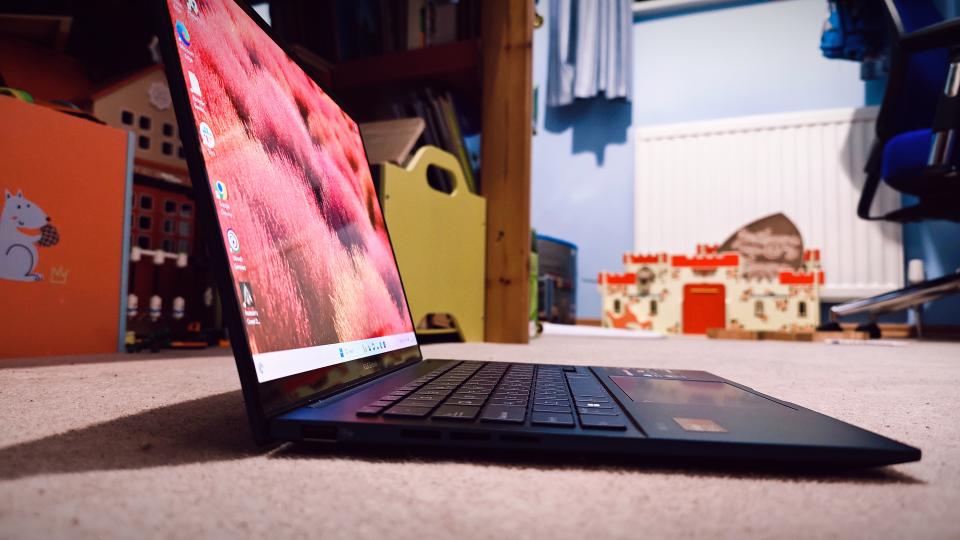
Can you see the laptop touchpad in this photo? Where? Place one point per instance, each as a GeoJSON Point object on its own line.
{"type": "Point", "coordinates": [680, 392]}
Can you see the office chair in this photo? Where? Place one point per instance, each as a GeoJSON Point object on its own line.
{"type": "Point", "coordinates": [915, 151]}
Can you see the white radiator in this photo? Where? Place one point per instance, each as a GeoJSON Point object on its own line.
{"type": "Point", "coordinates": [699, 182]}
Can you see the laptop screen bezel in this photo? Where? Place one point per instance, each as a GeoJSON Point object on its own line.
{"type": "Point", "coordinates": [256, 394]}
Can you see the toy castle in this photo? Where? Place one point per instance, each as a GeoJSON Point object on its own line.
{"type": "Point", "coordinates": [689, 295]}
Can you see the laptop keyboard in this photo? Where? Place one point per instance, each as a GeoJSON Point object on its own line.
{"type": "Point", "coordinates": [502, 393]}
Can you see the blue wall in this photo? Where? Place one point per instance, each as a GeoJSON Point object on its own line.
{"type": "Point", "coordinates": [582, 184]}
{"type": "Point", "coordinates": [937, 243]}
{"type": "Point", "coordinates": [753, 58]}
{"type": "Point", "coordinates": [756, 58]}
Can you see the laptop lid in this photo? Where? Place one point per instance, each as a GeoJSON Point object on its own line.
{"type": "Point", "coordinates": [308, 277]}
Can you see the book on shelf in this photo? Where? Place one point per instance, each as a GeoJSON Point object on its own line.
{"type": "Point", "coordinates": [371, 27]}
{"type": "Point", "coordinates": [391, 140]}
{"type": "Point", "coordinates": [446, 125]}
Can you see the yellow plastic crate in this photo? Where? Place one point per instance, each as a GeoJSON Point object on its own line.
{"type": "Point", "coordinates": [439, 239]}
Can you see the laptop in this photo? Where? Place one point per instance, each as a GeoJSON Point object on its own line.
{"type": "Point", "coordinates": [318, 318]}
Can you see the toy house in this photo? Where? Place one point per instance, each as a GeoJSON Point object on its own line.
{"type": "Point", "coordinates": [141, 103]}
{"type": "Point", "coordinates": [682, 294]}
{"type": "Point", "coordinates": [168, 278]}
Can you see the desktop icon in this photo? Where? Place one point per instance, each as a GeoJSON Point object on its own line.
{"type": "Point", "coordinates": [233, 240]}
{"type": "Point", "coordinates": [246, 295]}
{"type": "Point", "coordinates": [220, 190]}
{"type": "Point", "coordinates": [183, 34]}
{"type": "Point", "coordinates": [206, 135]}
{"type": "Point", "coordinates": [194, 84]}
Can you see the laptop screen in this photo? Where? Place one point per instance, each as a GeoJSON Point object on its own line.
{"type": "Point", "coordinates": [309, 256]}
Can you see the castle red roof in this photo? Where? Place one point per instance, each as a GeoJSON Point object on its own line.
{"type": "Point", "coordinates": [644, 258]}
{"type": "Point", "coordinates": [705, 261]}
{"type": "Point", "coordinates": [627, 278]}
{"type": "Point", "coordinates": [801, 278]}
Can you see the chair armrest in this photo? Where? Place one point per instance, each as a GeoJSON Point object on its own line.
{"type": "Point", "coordinates": [936, 36]}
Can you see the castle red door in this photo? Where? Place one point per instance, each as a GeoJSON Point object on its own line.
{"type": "Point", "coordinates": [704, 307]}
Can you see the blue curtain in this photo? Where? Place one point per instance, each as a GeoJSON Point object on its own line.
{"type": "Point", "coordinates": [591, 50]}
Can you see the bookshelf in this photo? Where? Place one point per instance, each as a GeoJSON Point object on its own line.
{"type": "Point", "coordinates": [453, 63]}
{"type": "Point", "coordinates": [492, 73]}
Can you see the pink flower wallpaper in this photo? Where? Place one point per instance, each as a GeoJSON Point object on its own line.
{"type": "Point", "coordinates": [300, 199]}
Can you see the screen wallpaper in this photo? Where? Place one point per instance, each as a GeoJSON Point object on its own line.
{"type": "Point", "coordinates": [309, 251]}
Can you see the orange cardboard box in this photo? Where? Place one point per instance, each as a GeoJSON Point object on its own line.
{"type": "Point", "coordinates": [64, 185]}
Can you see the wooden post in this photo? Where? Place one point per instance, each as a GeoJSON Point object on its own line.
{"type": "Point", "coordinates": [507, 27]}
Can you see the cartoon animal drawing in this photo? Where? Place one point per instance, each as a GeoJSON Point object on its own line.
{"type": "Point", "coordinates": [18, 250]}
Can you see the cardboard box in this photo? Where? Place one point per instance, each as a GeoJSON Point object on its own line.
{"type": "Point", "coordinates": [64, 185]}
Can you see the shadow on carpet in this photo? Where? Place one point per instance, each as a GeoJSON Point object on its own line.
{"type": "Point", "coordinates": [532, 459]}
{"type": "Point", "coordinates": [76, 360]}
{"type": "Point", "coordinates": [215, 428]}
{"type": "Point", "coordinates": [202, 430]}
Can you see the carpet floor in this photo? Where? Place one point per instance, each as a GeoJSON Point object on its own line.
{"type": "Point", "coordinates": [153, 446]}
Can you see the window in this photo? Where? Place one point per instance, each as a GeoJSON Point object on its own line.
{"type": "Point", "coordinates": [146, 202]}
{"type": "Point", "coordinates": [186, 210]}
{"type": "Point", "coordinates": [167, 129]}
{"type": "Point", "coordinates": [127, 118]}
{"type": "Point", "coordinates": [180, 152]}
{"type": "Point", "coordinates": [802, 309]}
{"type": "Point", "coordinates": [616, 306]}
{"type": "Point", "coordinates": [167, 149]}
{"type": "Point", "coordinates": [183, 246]}
{"type": "Point", "coordinates": [145, 123]}
{"type": "Point", "coordinates": [145, 223]}
{"type": "Point", "coordinates": [143, 242]}
{"type": "Point", "coordinates": [167, 245]}
{"type": "Point", "coordinates": [144, 142]}
{"type": "Point", "coordinates": [170, 207]}
{"type": "Point", "coordinates": [185, 228]}
{"type": "Point", "coordinates": [653, 308]}
{"type": "Point", "coordinates": [758, 308]}
{"type": "Point", "coordinates": [168, 226]}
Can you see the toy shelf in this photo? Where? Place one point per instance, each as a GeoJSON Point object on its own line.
{"type": "Point", "coordinates": [454, 63]}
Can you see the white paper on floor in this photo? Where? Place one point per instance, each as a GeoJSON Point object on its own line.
{"type": "Point", "coordinates": [551, 329]}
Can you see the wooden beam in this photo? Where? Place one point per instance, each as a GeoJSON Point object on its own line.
{"type": "Point", "coordinates": [507, 46]}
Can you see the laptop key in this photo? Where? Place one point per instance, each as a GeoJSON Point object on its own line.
{"type": "Point", "coordinates": [382, 403]}
{"type": "Point", "coordinates": [415, 403]}
{"type": "Point", "coordinates": [592, 421]}
{"type": "Point", "coordinates": [551, 409]}
{"type": "Point", "coordinates": [504, 413]}
{"type": "Point", "coordinates": [467, 402]}
{"type": "Point", "coordinates": [461, 395]}
{"type": "Point", "coordinates": [369, 410]}
{"type": "Point", "coordinates": [593, 405]}
{"type": "Point", "coordinates": [552, 419]}
{"type": "Point", "coordinates": [456, 412]}
{"type": "Point", "coordinates": [408, 411]}
{"type": "Point", "coordinates": [426, 400]}
{"type": "Point", "coordinates": [598, 412]}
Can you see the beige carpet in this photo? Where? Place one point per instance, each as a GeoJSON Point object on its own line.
{"type": "Point", "coordinates": [158, 447]}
